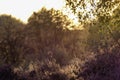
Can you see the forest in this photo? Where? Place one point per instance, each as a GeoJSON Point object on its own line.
{"type": "Point", "coordinates": [51, 47]}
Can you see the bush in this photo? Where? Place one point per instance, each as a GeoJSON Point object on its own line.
{"type": "Point", "coordinates": [103, 67]}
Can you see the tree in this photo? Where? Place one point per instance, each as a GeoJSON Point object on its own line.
{"type": "Point", "coordinates": [45, 31]}
{"type": "Point", "coordinates": [107, 31]}
{"type": "Point", "coordinates": [46, 17]}
{"type": "Point", "coordinates": [48, 31]}
{"type": "Point", "coordinates": [10, 39]}
{"type": "Point", "coordinates": [87, 9]}
{"type": "Point", "coordinates": [103, 30]}
{"type": "Point", "coordinates": [115, 28]}
{"type": "Point", "coordinates": [103, 39]}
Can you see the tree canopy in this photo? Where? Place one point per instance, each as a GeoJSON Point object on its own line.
{"type": "Point", "coordinates": [87, 9]}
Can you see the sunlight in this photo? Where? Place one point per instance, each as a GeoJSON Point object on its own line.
{"type": "Point", "coordinates": [22, 9]}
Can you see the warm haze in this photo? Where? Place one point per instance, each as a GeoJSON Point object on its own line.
{"type": "Point", "coordinates": [39, 41]}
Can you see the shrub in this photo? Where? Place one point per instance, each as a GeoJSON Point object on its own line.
{"type": "Point", "coordinates": [104, 67]}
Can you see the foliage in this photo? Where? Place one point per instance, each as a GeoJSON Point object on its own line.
{"type": "Point", "coordinates": [87, 9]}
{"type": "Point", "coordinates": [103, 38]}
{"type": "Point", "coordinates": [45, 17]}
{"type": "Point", "coordinates": [104, 33]}
{"type": "Point", "coordinates": [47, 49]}
{"type": "Point", "coordinates": [103, 67]}
{"type": "Point", "coordinates": [10, 39]}
{"type": "Point", "coordinates": [48, 31]}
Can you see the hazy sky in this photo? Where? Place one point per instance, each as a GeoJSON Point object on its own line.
{"type": "Point", "coordinates": [22, 9]}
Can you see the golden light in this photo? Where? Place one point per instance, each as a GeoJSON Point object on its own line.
{"type": "Point", "coordinates": [23, 9]}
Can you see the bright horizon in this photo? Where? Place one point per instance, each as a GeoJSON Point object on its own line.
{"type": "Point", "coordinates": [23, 9]}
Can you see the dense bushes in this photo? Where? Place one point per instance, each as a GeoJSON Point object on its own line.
{"type": "Point", "coordinates": [103, 67]}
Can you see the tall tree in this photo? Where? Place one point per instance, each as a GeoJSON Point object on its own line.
{"type": "Point", "coordinates": [46, 29]}
{"type": "Point", "coordinates": [49, 33]}
{"type": "Point", "coordinates": [10, 39]}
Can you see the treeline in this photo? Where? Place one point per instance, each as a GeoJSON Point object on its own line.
{"type": "Point", "coordinates": [46, 49]}
{"type": "Point", "coordinates": [44, 42]}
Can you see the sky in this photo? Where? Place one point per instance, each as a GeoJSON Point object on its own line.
{"type": "Point", "coordinates": [23, 9]}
